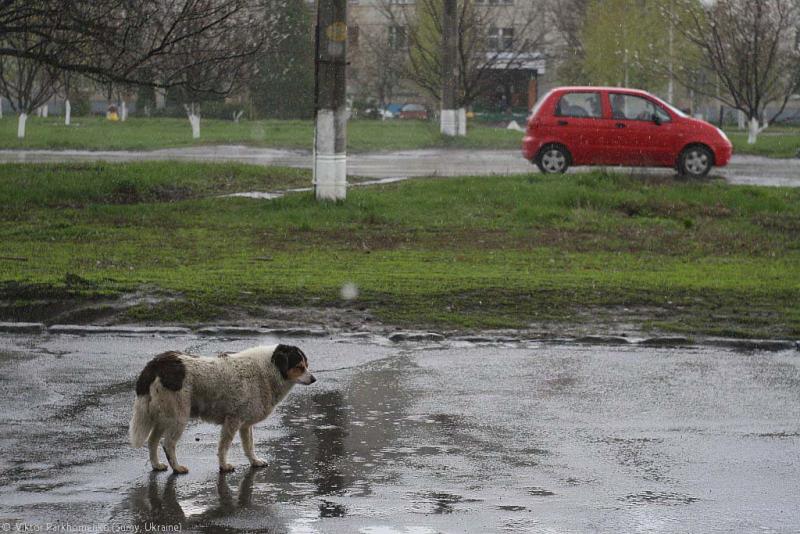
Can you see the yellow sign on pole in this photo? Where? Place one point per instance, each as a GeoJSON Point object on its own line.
{"type": "Point", "coordinates": [337, 32]}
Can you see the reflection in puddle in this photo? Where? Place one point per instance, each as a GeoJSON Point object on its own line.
{"type": "Point", "coordinates": [331, 509]}
{"type": "Point", "coordinates": [438, 503]}
{"type": "Point", "coordinates": [392, 530]}
{"type": "Point", "coordinates": [539, 492]}
{"type": "Point", "coordinates": [153, 505]}
{"type": "Point", "coordinates": [658, 497]}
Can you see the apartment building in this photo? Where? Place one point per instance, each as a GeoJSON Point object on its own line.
{"type": "Point", "coordinates": [511, 56]}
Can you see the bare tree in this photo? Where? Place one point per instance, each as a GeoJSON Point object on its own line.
{"type": "Point", "coordinates": [127, 41]}
{"type": "Point", "coordinates": [66, 87]}
{"type": "Point", "coordinates": [383, 64]}
{"type": "Point", "coordinates": [26, 83]}
{"type": "Point", "coordinates": [493, 36]}
{"type": "Point", "coordinates": [201, 46]}
{"type": "Point", "coordinates": [750, 47]}
{"type": "Point", "coordinates": [215, 62]}
{"type": "Point", "coordinates": [568, 18]}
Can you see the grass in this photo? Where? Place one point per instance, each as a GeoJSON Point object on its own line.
{"type": "Point", "coordinates": [463, 253]}
{"type": "Point", "coordinates": [775, 142]}
{"type": "Point", "coordinates": [94, 133]}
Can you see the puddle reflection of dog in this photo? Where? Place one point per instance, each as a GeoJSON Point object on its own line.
{"type": "Point", "coordinates": [235, 391]}
{"type": "Point", "coordinates": [157, 510]}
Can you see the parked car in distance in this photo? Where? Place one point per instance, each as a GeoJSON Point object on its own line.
{"type": "Point", "coordinates": [615, 126]}
{"type": "Point", "coordinates": [413, 111]}
{"type": "Point", "coordinates": [378, 113]}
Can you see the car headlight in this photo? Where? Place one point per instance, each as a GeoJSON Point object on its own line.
{"type": "Point", "coordinates": [723, 134]}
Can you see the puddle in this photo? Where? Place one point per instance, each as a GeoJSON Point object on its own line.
{"type": "Point", "coordinates": [439, 503]}
{"type": "Point", "coordinates": [512, 508]}
{"type": "Point", "coordinates": [392, 441]}
{"type": "Point", "coordinates": [539, 492]}
{"type": "Point", "coordinates": [396, 530]}
{"type": "Point", "coordinates": [655, 497]}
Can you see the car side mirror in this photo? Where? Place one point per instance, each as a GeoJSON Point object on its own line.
{"type": "Point", "coordinates": [656, 119]}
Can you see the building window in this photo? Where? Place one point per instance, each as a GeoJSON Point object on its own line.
{"type": "Point", "coordinates": [501, 39]}
{"type": "Point", "coordinates": [397, 37]}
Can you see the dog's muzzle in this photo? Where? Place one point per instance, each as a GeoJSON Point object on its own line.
{"type": "Point", "coordinates": [306, 379]}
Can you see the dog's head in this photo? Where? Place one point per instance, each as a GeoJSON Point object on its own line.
{"type": "Point", "coordinates": [292, 364]}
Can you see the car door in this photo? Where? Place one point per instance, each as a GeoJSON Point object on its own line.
{"type": "Point", "coordinates": [577, 119]}
{"type": "Point", "coordinates": [641, 132]}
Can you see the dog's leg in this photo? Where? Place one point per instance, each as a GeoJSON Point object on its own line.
{"type": "Point", "coordinates": [170, 442]}
{"type": "Point", "coordinates": [152, 445]}
{"type": "Point", "coordinates": [246, 433]}
{"type": "Point", "coordinates": [229, 428]}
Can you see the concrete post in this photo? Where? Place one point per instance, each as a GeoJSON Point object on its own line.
{"type": "Point", "coordinates": [450, 115]}
{"type": "Point", "coordinates": [330, 136]}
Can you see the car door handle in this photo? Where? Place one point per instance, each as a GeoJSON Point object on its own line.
{"type": "Point", "coordinates": [620, 125]}
{"type": "Point", "coordinates": [562, 123]}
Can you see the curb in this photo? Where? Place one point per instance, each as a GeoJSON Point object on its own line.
{"type": "Point", "coordinates": [410, 337]}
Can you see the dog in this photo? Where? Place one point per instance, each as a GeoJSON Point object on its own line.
{"type": "Point", "coordinates": [233, 390]}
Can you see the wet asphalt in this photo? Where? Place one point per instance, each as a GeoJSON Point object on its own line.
{"type": "Point", "coordinates": [743, 170]}
{"type": "Point", "coordinates": [415, 438]}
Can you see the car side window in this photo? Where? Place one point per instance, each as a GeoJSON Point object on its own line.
{"type": "Point", "coordinates": [635, 108]}
{"type": "Point", "coordinates": [580, 105]}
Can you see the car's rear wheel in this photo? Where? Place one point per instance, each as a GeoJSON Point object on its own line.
{"type": "Point", "coordinates": [553, 159]}
{"type": "Point", "coordinates": [695, 161]}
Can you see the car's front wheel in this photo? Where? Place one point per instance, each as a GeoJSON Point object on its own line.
{"type": "Point", "coordinates": [695, 161]}
{"type": "Point", "coordinates": [553, 159]}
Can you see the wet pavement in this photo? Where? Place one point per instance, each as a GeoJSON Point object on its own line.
{"type": "Point", "coordinates": [752, 170]}
{"type": "Point", "coordinates": [415, 438]}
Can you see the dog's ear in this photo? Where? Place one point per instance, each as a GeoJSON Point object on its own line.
{"type": "Point", "coordinates": [280, 357]}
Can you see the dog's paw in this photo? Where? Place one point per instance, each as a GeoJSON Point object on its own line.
{"type": "Point", "coordinates": [180, 470]}
{"type": "Point", "coordinates": [258, 462]}
{"type": "Point", "coordinates": [226, 468]}
{"type": "Point", "coordinates": [159, 467]}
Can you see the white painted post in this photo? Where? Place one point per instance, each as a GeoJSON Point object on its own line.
{"type": "Point", "coordinates": [23, 118]}
{"type": "Point", "coordinates": [462, 122]}
{"type": "Point", "coordinates": [123, 116]}
{"type": "Point", "coordinates": [161, 98]}
{"type": "Point", "coordinates": [330, 134]}
{"type": "Point", "coordinates": [67, 112]}
{"type": "Point", "coordinates": [193, 112]}
{"type": "Point", "coordinates": [450, 116]}
{"type": "Point", "coordinates": [194, 120]}
{"type": "Point", "coordinates": [754, 130]}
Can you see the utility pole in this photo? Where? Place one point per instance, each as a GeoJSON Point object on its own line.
{"type": "Point", "coordinates": [450, 116]}
{"type": "Point", "coordinates": [671, 52]}
{"type": "Point", "coordinates": [330, 103]}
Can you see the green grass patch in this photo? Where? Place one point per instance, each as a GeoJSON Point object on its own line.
{"type": "Point", "coordinates": [472, 252]}
{"type": "Point", "coordinates": [78, 185]}
{"type": "Point", "coordinates": [95, 133]}
{"type": "Point", "coordinates": [774, 142]}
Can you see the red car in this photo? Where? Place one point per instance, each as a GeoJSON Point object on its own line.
{"type": "Point", "coordinates": [414, 111]}
{"type": "Point", "coordinates": [614, 126]}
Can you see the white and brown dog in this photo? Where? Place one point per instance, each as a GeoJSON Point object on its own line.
{"type": "Point", "coordinates": [234, 390]}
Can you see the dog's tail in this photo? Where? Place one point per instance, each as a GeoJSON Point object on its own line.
{"type": "Point", "coordinates": [141, 422]}
{"type": "Point", "coordinates": [165, 370]}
